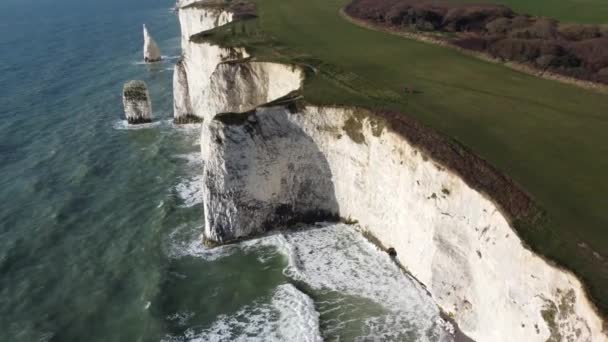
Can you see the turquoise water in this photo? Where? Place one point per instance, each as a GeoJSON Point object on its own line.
{"type": "Point", "coordinates": [100, 224]}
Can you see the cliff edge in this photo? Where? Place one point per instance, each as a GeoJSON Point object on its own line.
{"type": "Point", "coordinates": [270, 159]}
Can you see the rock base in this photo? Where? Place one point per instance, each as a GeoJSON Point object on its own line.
{"type": "Point", "coordinates": [187, 119]}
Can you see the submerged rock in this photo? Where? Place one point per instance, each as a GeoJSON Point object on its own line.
{"type": "Point", "coordinates": [151, 50]}
{"type": "Point", "coordinates": [136, 100]}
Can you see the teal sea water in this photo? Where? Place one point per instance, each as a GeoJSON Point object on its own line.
{"type": "Point", "coordinates": [100, 224]}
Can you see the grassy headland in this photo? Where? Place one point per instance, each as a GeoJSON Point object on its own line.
{"type": "Point", "coordinates": [549, 137]}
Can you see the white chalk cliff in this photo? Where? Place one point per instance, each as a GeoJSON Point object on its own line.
{"type": "Point", "coordinates": [151, 49]}
{"type": "Point", "coordinates": [192, 75]}
{"type": "Point", "coordinates": [274, 165]}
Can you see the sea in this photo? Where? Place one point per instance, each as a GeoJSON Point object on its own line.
{"type": "Point", "coordinates": [101, 222]}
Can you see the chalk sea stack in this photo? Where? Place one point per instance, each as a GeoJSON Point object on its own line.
{"type": "Point", "coordinates": [151, 50]}
{"type": "Point", "coordinates": [136, 100]}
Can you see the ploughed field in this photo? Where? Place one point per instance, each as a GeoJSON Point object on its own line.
{"type": "Point", "coordinates": [549, 137]}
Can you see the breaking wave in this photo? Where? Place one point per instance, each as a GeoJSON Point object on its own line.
{"type": "Point", "coordinates": [358, 290]}
{"type": "Point", "coordinates": [190, 191]}
{"type": "Point", "coordinates": [290, 316]}
{"type": "Point", "coordinates": [124, 125]}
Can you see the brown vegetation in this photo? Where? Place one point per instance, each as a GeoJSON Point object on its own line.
{"type": "Point", "coordinates": [515, 203]}
{"type": "Point", "coordinates": [579, 51]}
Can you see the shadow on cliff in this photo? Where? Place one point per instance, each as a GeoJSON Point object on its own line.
{"type": "Point", "coordinates": [276, 176]}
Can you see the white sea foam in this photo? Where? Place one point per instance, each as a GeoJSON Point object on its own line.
{"type": "Point", "coordinates": [190, 191]}
{"type": "Point", "coordinates": [164, 59]}
{"type": "Point", "coordinates": [338, 259]}
{"type": "Point", "coordinates": [290, 316]}
{"type": "Point", "coordinates": [186, 240]}
{"type": "Point", "coordinates": [195, 126]}
{"type": "Point", "coordinates": [181, 318]}
{"type": "Point", "coordinates": [193, 159]}
{"type": "Point", "coordinates": [124, 125]}
{"type": "Point", "coordinates": [191, 132]}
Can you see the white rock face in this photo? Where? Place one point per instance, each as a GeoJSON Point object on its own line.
{"type": "Point", "coordinates": [193, 20]}
{"type": "Point", "coordinates": [239, 87]}
{"type": "Point", "coordinates": [151, 50]}
{"type": "Point", "coordinates": [273, 166]}
{"type": "Point", "coordinates": [183, 3]}
{"type": "Point", "coordinates": [269, 186]}
{"type": "Point", "coordinates": [136, 101]}
{"type": "Point", "coordinates": [199, 61]}
{"type": "Point", "coordinates": [182, 107]}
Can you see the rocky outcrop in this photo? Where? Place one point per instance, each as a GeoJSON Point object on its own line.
{"type": "Point", "coordinates": [136, 101]}
{"type": "Point", "coordinates": [242, 86]}
{"type": "Point", "coordinates": [209, 79]}
{"type": "Point", "coordinates": [273, 166]}
{"type": "Point", "coordinates": [269, 166]}
{"type": "Point", "coordinates": [182, 107]}
{"type": "Point", "coordinates": [192, 75]}
{"type": "Point", "coordinates": [151, 50]}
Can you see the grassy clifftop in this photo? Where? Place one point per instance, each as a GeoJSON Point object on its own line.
{"type": "Point", "coordinates": [549, 137]}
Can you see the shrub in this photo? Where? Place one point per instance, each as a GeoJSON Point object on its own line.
{"type": "Point", "coordinates": [473, 17]}
{"type": "Point", "coordinates": [576, 32]}
{"type": "Point", "coordinates": [546, 61]}
{"type": "Point", "coordinates": [540, 29]}
{"type": "Point", "coordinates": [520, 50]}
{"type": "Point", "coordinates": [472, 43]}
{"type": "Point", "coordinates": [592, 52]}
{"type": "Point", "coordinates": [499, 26]}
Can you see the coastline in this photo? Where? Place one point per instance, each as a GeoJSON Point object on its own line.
{"type": "Point", "coordinates": [249, 193]}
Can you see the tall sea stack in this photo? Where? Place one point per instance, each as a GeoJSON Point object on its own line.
{"type": "Point", "coordinates": [151, 50]}
{"type": "Point", "coordinates": [136, 100]}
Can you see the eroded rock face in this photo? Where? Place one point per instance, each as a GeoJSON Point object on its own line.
{"type": "Point", "coordinates": [192, 75]}
{"type": "Point", "coordinates": [211, 79]}
{"type": "Point", "coordinates": [151, 49]}
{"type": "Point", "coordinates": [273, 166]}
{"type": "Point", "coordinates": [182, 107]}
{"type": "Point", "coordinates": [242, 86]}
{"type": "Point", "coordinates": [136, 101]}
{"type": "Point", "coordinates": [252, 186]}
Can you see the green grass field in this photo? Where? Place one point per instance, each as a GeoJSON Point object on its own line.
{"type": "Point", "coordinates": [577, 11]}
{"type": "Point", "coordinates": [549, 137]}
